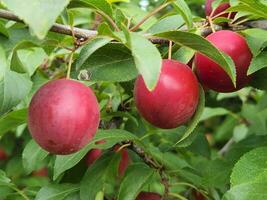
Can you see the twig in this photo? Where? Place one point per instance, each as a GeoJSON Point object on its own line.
{"type": "Point", "coordinates": [170, 50]}
{"type": "Point", "coordinates": [134, 28]}
{"type": "Point", "coordinates": [226, 147]}
{"type": "Point", "coordinates": [86, 34]}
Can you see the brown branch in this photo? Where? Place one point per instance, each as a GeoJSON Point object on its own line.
{"type": "Point", "coordinates": [87, 34]}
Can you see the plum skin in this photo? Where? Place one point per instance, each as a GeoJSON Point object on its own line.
{"type": "Point", "coordinates": [148, 196]}
{"type": "Point", "coordinates": [211, 75]}
{"type": "Point", "coordinates": [3, 155]}
{"type": "Point", "coordinates": [174, 99]}
{"type": "Point", "coordinates": [63, 116]}
{"type": "Point", "coordinates": [94, 154]}
{"type": "Point", "coordinates": [222, 7]}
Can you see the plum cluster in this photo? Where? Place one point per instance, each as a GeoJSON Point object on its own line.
{"type": "Point", "coordinates": [64, 114]}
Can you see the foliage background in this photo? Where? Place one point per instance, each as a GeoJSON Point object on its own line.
{"type": "Point", "coordinates": [224, 157]}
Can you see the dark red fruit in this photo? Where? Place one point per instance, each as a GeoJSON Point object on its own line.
{"type": "Point", "coordinates": [173, 101]}
{"type": "Point", "coordinates": [125, 160]}
{"type": "Point", "coordinates": [198, 196]}
{"type": "Point", "coordinates": [148, 196]}
{"type": "Point", "coordinates": [222, 7]}
{"type": "Point", "coordinates": [94, 154]}
{"type": "Point", "coordinates": [212, 75]}
{"type": "Point", "coordinates": [40, 173]}
{"type": "Point", "coordinates": [3, 155]}
{"type": "Point", "coordinates": [63, 116]}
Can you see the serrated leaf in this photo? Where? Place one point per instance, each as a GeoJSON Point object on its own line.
{"type": "Point", "coordinates": [3, 63]}
{"type": "Point", "coordinates": [56, 192]}
{"type": "Point", "coordinates": [32, 155]}
{"type": "Point", "coordinates": [258, 63]}
{"type": "Point", "coordinates": [136, 177]}
{"type": "Point", "coordinates": [90, 48]}
{"type": "Point", "coordinates": [112, 62]}
{"type": "Point", "coordinates": [185, 140]}
{"type": "Point", "coordinates": [183, 55]}
{"type": "Point", "coordinates": [13, 88]}
{"type": "Point", "coordinates": [111, 137]}
{"type": "Point", "coordinates": [213, 112]}
{"type": "Point", "coordinates": [254, 7]}
{"type": "Point", "coordinates": [251, 167]}
{"type": "Point", "coordinates": [259, 80]}
{"type": "Point", "coordinates": [99, 5]}
{"type": "Point", "coordinates": [169, 23]}
{"type": "Point", "coordinates": [102, 172]}
{"type": "Point", "coordinates": [116, 1]}
{"type": "Point", "coordinates": [12, 120]}
{"type": "Point", "coordinates": [182, 7]}
{"type": "Point", "coordinates": [26, 57]}
{"type": "Point", "coordinates": [203, 46]}
{"type": "Point", "coordinates": [3, 30]}
{"type": "Point", "coordinates": [147, 59]}
{"type": "Point", "coordinates": [256, 39]}
{"type": "Point", "coordinates": [247, 191]}
{"type": "Point", "coordinates": [40, 15]}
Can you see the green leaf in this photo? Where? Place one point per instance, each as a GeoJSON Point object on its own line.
{"type": "Point", "coordinates": [183, 55]}
{"type": "Point", "coordinates": [4, 180]}
{"type": "Point", "coordinates": [136, 177]}
{"type": "Point", "coordinates": [26, 57]}
{"type": "Point", "coordinates": [3, 30]}
{"type": "Point", "coordinates": [247, 191]}
{"type": "Point", "coordinates": [32, 155]}
{"type": "Point", "coordinates": [112, 62]}
{"type": "Point", "coordinates": [213, 112]}
{"type": "Point", "coordinates": [3, 63]}
{"type": "Point", "coordinates": [102, 172]}
{"type": "Point", "coordinates": [182, 7]}
{"type": "Point", "coordinates": [136, 13]}
{"type": "Point", "coordinates": [147, 59]}
{"type": "Point", "coordinates": [253, 7]}
{"type": "Point", "coordinates": [111, 137]}
{"type": "Point", "coordinates": [256, 39]}
{"type": "Point", "coordinates": [203, 46]}
{"type": "Point", "coordinates": [251, 167]}
{"type": "Point", "coordinates": [12, 120]}
{"type": "Point", "coordinates": [216, 173]}
{"type": "Point", "coordinates": [258, 63]}
{"type": "Point", "coordinates": [90, 48]}
{"type": "Point", "coordinates": [40, 15]}
{"type": "Point", "coordinates": [101, 5]}
{"type": "Point", "coordinates": [13, 88]}
{"type": "Point", "coordinates": [116, 1]}
{"type": "Point", "coordinates": [259, 80]}
{"type": "Point", "coordinates": [186, 138]}
{"type": "Point", "coordinates": [169, 23]}
{"type": "Point", "coordinates": [56, 192]}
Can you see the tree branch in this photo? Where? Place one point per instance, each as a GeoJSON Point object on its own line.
{"type": "Point", "coordinates": [87, 34]}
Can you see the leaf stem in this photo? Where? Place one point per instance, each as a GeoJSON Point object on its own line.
{"type": "Point", "coordinates": [134, 28]}
{"type": "Point", "coordinates": [211, 25]}
{"type": "Point", "coordinates": [69, 65]}
{"type": "Point", "coordinates": [178, 196]}
{"type": "Point", "coordinates": [170, 50]}
{"type": "Point", "coordinates": [110, 20]}
{"type": "Point", "coordinates": [21, 193]}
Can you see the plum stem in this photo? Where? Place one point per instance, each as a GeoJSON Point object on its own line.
{"type": "Point", "coordinates": [69, 65]}
{"type": "Point", "coordinates": [134, 28]}
{"type": "Point", "coordinates": [170, 50]}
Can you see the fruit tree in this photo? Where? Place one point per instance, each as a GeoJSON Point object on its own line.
{"type": "Point", "coordinates": [133, 99]}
